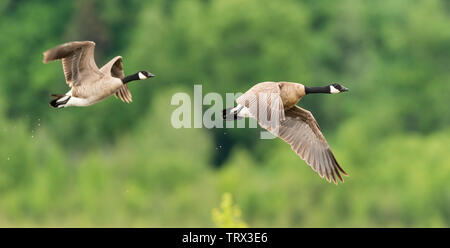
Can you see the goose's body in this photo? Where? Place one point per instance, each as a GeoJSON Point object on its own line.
{"type": "Point", "coordinates": [89, 84]}
{"type": "Point", "coordinates": [293, 124]}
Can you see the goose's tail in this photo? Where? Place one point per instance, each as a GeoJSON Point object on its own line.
{"type": "Point", "coordinates": [227, 115]}
{"type": "Point", "coordinates": [59, 101]}
{"type": "Point", "coordinates": [230, 114]}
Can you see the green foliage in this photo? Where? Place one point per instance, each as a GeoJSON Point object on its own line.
{"type": "Point", "coordinates": [115, 164]}
{"type": "Point", "coordinates": [228, 215]}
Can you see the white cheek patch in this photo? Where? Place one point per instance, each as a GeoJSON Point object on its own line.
{"type": "Point", "coordinates": [333, 90]}
{"type": "Point", "coordinates": [141, 76]}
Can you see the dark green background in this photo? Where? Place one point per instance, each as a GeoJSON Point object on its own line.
{"type": "Point", "coordinates": [114, 164]}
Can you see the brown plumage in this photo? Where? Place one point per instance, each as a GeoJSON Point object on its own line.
{"type": "Point", "coordinates": [294, 125]}
{"type": "Point", "coordinates": [89, 84]}
{"type": "Point", "coordinates": [116, 68]}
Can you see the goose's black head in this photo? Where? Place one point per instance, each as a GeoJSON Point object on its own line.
{"type": "Point", "coordinates": [144, 75]}
{"type": "Point", "coordinates": [336, 88]}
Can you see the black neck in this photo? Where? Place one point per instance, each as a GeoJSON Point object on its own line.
{"type": "Point", "coordinates": [323, 89]}
{"type": "Point", "coordinates": [130, 78]}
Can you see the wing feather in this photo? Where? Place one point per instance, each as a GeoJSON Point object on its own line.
{"type": "Point", "coordinates": [302, 132]}
{"type": "Point", "coordinates": [124, 94]}
{"type": "Point", "coordinates": [77, 60]}
{"type": "Point", "coordinates": [115, 69]}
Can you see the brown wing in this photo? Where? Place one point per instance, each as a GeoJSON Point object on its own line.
{"type": "Point", "coordinates": [264, 101]}
{"type": "Point", "coordinates": [124, 94]}
{"type": "Point", "coordinates": [77, 59]}
{"type": "Point", "coordinates": [115, 68]}
{"type": "Point", "coordinates": [302, 132]}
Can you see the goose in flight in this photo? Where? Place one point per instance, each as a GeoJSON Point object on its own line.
{"type": "Point", "coordinates": [273, 104]}
{"type": "Point", "coordinates": [89, 84]}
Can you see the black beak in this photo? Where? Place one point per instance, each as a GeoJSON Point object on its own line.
{"type": "Point", "coordinates": [150, 75]}
{"type": "Point", "coordinates": [343, 89]}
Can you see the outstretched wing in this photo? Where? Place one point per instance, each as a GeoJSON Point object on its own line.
{"type": "Point", "coordinates": [302, 132]}
{"type": "Point", "coordinates": [264, 101]}
{"type": "Point", "coordinates": [115, 69]}
{"type": "Point", "coordinates": [77, 59]}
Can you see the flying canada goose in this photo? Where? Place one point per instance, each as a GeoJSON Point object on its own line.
{"type": "Point", "coordinates": [293, 124]}
{"type": "Point", "coordinates": [89, 84]}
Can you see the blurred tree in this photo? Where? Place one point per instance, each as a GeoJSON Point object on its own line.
{"type": "Point", "coordinates": [228, 215]}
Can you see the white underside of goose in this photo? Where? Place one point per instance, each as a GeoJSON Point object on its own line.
{"type": "Point", "coordinates": [75, 101]}
{"type": "Point", "coordinates": [241, 111]}
{"type": "Point", "coordinates": [62, 99]}
{"type": "Point", "coordinates": [72, 101]}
